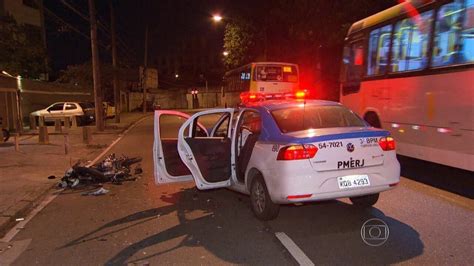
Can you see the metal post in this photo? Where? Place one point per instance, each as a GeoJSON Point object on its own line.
{"type": "Point", "coordinates": [99, 121]}
{"type": "Point", "coordinates": [33, 125]}
{"type": "Point", "coordinates": [57, 125]}
{"type": "Point", "coordinates": [114, 64]}
{"type": "Point", "coordinates": [74, 121]}
{"type": "Point", "coordinates": [66, 143]}
{"type": "Point", "coordinates": [43, 37]}
{"type": "Point", "coordinates": [43, 135]}
{"type": "Point", "coordinates": [41, 121]}
{"type": "Point", "coordinates": [145, 65]}
{"type": "Point", "coordinates": [67, 122]}
{"type": "Point", "coordinates": [17, 142]}
{"type": "Point", "coordinates": [86, 135]}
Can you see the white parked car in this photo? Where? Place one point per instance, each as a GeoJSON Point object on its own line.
{"type": "Point", "coordinates": [84, 111]}
{"type": "Point", "coordinates": [278, 152]}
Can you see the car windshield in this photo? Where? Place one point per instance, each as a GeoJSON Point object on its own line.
{"type": "Point", "coordinates": [314, 117]}
{"type": "Point", "coordinates": [276, 73]}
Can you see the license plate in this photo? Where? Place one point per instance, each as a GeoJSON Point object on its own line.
{"type": "Point", "coordinates": [352, 181]}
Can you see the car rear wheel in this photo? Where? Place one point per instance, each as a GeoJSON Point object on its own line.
{"type": "Point", "coordinates": [262, 205]}
{"type": "Point", "coordinates": [365, 201]}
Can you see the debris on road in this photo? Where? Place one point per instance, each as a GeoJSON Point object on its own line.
{"type": "Point", "coordinates": [111, 169]}
{"type": "Point", "coordinates": [99, 192]}
{"type": "Point", "coordinates": [19, 219]}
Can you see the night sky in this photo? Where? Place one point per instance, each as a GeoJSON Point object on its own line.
{"type": "Point", "coordinates": [170, 21]}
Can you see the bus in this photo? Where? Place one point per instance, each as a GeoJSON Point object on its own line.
{"type": "Point", "coordinates": [410, 70]}
{"type": "Point", "coordinates": [259, 80]}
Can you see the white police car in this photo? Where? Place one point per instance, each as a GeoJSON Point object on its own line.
{"type": "Point", "coordinates": [278, 152]}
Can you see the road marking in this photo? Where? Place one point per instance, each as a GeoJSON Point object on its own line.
{"type": "Point", "coordinates": [11, 234]}
{"type": "Point", "coordinates": [294, 250]}
{"type": "Point", "coordinates": [21, 225]}
{"type": "Point", "coordinates": [116, 141]}
{"type": "Point", "coordinates": [13, 251]}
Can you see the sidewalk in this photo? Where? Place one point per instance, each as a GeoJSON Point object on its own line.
{"type": "Point", "coordinates": [23, 174]}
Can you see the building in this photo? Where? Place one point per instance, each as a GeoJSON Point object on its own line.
{"type": "Point", "coordinates": [26, 18]}
{"type": "Point", "coordinates": [25, 12]}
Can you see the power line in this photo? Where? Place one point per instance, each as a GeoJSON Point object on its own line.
{"type": "Point", "coordinates": [101, 25]}
{"type": "Point", "coordinates": [64, 23]}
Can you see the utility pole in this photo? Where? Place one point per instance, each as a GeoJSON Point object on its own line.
{"type": "Point", "coordinates": [114, 64]}
{"type": "Point", "coordinates": [145, 65]}
{"type": "Point", "coordinates": [43, 37]}
{"type": "Point", "coordinates": [99, 121]}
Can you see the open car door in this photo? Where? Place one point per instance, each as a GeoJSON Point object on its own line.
{"type": "Point", "coordinates": [168, 166]}
{"type": "Point", "coordinates": [208, 157]}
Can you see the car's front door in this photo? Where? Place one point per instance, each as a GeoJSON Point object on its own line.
{"type": "Point", "coordinates": [54, 111]}
{"type": "Point", "coordinates": [208, 157]}
{"type": "Point", "coordinates": [167, 163]}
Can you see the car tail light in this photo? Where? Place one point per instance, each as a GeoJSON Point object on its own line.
{"type": "Point", "coordinates": [297, 152]}
{"type": "Point", "coordinates": [387, 144]}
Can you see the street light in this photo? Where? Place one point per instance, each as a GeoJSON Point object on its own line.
{"type": "Point", "coordinates": [176, 76]}
{"type": "Point", "coordinates": [217, 18]}
{"type": "Point", "coordinates": [225, 53]}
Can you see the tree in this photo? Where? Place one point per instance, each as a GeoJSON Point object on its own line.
{"type": "Point", "coordinates": [21, 49]}
{"type": "Point", "coordinates": [307, 32]}
{"type": "Point", "coordinates": [81, 75]}
{"type": "Point", "coordinates": [238, 41]}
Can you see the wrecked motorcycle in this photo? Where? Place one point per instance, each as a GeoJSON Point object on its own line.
{"type": "Point", "coordinates": [111, 169]}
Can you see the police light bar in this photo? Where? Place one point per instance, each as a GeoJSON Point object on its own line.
{"type": "Point", "coordinates": [246, 97]}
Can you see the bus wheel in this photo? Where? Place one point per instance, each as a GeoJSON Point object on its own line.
{"type": "Point", "coordinates": [373, 119]}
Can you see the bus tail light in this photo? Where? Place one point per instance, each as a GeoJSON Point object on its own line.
{"type": "Point", "coordinates": [387, 143]}
{"type": "Point", "coordinates": [300, 94]}
{"type": "Point", "coordinates": [297, 152]}
{"type": "Point", "coordinates": [251, 97]}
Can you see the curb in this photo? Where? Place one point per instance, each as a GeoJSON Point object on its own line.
{"type": "Point", "coordinates": [24, 207]}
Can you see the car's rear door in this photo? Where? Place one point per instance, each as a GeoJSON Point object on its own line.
{"type": "Point", "coordinates": [71, 109]}
{"type": "Point", "coordinates": [54, 111]}
{"type": "Point", "coordinates": [167, 162]}
{"type": "Point", "coordinates": [208, 157]}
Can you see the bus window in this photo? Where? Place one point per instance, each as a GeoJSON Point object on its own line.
{"type": "Point", "coordinates": [276, 73]}
{"type": "Point", "coordinates": [410, 43]}
{"type": "Point", "coordinates": [353, 61]}
{"type": "Point", "coordinates": [468, 33]}
{"type": "Point", "coordinates": [379, 46]}
{"type": "Point", "coordinates": [454, 40]}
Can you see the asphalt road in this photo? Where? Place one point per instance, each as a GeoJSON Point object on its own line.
{"type": "Point", "coordinates": [141, 223]}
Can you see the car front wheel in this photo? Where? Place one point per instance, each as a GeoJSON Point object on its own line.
{"type": "Point", "coordinates": [365, 201]}
{"type": "Point", "coordinates": [262, 205]}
